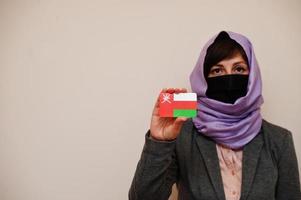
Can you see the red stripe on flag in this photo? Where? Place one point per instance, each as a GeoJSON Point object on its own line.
{"type": "Point", "coordinates": [184, 105]}
{"type": "Point", "coordinates": [167, 105]}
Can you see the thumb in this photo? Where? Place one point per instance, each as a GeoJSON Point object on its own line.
{"type": "Point", "coordinates": [179, 122]}
{"type": "Point", "coordinates": [181, 119]}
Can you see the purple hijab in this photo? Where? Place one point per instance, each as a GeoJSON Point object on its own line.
{"type": "Point", "coordinates": [231, 125]}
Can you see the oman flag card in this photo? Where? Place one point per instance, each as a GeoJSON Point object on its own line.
{"type": "Point", "coordinates": [178, 105]}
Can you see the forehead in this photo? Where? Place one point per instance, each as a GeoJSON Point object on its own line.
{"type": "Point", "coordinates": [234, 59]}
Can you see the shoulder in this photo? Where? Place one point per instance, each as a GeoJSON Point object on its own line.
{"type": "Point", "coordinates": [275, 132]}
{"type": "Point", "coordinates": [277, 138]}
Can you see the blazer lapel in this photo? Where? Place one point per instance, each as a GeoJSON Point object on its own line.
{"type": "Point", "coordinates": [209, 155]}
{"type": "Point", "coordinates": [251, 153]}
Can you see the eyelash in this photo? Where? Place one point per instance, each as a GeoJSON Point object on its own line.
{"type": "Point", "coordinates": [241, 68]}
{"type": "Point", "coordinates": [217, 70]}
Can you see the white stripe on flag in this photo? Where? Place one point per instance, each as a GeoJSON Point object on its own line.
{"type": "Point", "coordinates": [184, 97]}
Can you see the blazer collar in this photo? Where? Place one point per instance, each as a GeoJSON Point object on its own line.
{"type": "Point", "coordinates": [251, 153]}
{"type": "Point", "coordinates": [209, 155]}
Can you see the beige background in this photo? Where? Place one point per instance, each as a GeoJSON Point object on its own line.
{"type": "Point", "coordinates": [78, 80]}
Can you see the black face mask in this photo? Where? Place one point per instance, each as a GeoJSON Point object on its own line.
{"type": "Point", "coordinates": [227, 88]}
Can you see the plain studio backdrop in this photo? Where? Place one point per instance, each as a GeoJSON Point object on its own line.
{"type": "Point", "coordinates": [78, 81]}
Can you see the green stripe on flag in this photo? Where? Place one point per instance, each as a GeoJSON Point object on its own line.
{"type": "Point", "coordinates": [184, 113]}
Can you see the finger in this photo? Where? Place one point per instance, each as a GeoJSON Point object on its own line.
{"type": "Point", "coordinates": [184, 90]}
{"type": "Point", "coordinates": [179, 122]}
{"type": "Point", "coordinates": [170, 90]}
{"type": "Point", "coordinates": [181, 119]}
{"type": "Point", "coordinates": [177, 90]}
{"type": "Point", "coordinates": [163, 90]}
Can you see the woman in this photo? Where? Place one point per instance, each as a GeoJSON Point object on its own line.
{"type": "Point", "coordinates": [227, 152]}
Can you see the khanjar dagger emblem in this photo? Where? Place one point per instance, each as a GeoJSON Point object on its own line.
{"type": "Point", "coordinates": [166, 98]}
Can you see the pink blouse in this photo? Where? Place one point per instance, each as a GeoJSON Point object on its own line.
{"type": "Point", "coordinates": [230, 162]}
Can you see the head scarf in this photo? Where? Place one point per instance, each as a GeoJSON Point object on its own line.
{"type": "Point", "coordinates": [231, 125]}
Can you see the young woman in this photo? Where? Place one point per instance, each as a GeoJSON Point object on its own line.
{"type": "Point", "coordinates": [227, 152]}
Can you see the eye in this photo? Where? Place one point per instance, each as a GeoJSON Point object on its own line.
{"type": "Point", "coordinates": [215, 71]}
{"type": "Point", "coordinates": [240, 69]}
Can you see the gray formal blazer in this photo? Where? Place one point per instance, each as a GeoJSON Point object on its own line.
{"type": "Point", "coordinates": [269, 171]}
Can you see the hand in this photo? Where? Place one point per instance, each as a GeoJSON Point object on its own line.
{"type": "Point", "coordinates": [166, 128]}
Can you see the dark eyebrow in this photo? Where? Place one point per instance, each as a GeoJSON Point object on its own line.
{"type": "Point", "coordinates": [243, 62]}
